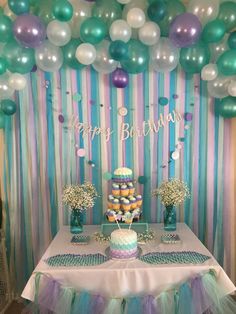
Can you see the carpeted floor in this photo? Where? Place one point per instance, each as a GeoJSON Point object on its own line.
{"type": "Point", "coordinates": [15, 308]}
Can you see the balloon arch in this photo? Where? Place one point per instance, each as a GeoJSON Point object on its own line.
{"type": "Point", "coordinates": [120, 37]}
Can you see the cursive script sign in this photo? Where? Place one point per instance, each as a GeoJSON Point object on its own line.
{"type": "Point", "coordinates": [126, 130]}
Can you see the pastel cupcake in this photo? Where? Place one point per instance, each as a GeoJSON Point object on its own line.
{"type": "Point", "coordinates": [133, 202]}
{"type": "Point", "coordinates": [136, 214]}
{"type": "Point", "coordinates": [128, 217]}
{"type": "Point", "coordinates": [116, 204]}
{"type": "Point", "coordinates": [124, 190]}
{"type": "Point", "coordinates": [139, 200]}
{"type": "Point", "coordinates": [115, 189]}
{"type": "Point", "coordinates": [111, 215]}
{"type": "Point", "coordinates": [126, 205]}
{"type": "Point", "coordinates": [131, 188]}
{"type": "Point", "coordinates": [109, 201]}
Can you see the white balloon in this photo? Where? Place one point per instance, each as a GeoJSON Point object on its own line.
{"type": "Point", "coordinates": [218, 87]}
{"type": "Point", "coordinates": [103, 62]}
{"type": "Point", "coordinates": [209, 72]}
{"type": "Point", "coordinates": [164, 56]}
{"type": "Point", "coordinates": [85, 53]}
{"type": "Point", "coordinates": [141, 4]}
{"type": "Point", "coordinates": [48, 57]}
{"type": "Point", "coordinates": [149, 33]}
{"type": "Point", "coordinates": [135, 18]}
{"type": "Point", "coordinates": [81, 11]}
{"type": "Point", "coordinates": [205, 10]}
{"type": "Point", "coordinates": [58, 33]}
{"type": "Point", "coordinates": [120, 30]}
{"type": "Point", "coordinates": [17, 81]}
{"type": "Point", "coordinates": [232, 88]}
{"type": "Point", "coordinates": [5, 90]}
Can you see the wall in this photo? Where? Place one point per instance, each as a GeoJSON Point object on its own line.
{"type": "Point", "coordinates": [40, 157]}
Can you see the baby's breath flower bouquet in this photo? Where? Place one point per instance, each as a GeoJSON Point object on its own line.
{"type": "Point", "coordinates": [172, 192]}
{"type": "Point", "coordinates": [80, 197]}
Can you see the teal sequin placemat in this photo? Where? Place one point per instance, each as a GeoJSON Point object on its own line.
{"type": "Point", "coordinates": [186, 257]}
{"type": "Point", "coordinates": [76, 260]}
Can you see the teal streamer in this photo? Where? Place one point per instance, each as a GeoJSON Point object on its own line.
{"type": "Point", "coordinates": [65, 301]}
{"type": "Point", "coordinates": [113, 306]}
{"type": "Point", "coordinates": [185, 300]}
{"type": "Point", "coordinates": [186, 257]}
{"type": "Point", "coordinates": [133, 305]}
{"type": "Point", "coordinates": [173, 77]}
{"type": "Point", "coordinates": [166, 302]}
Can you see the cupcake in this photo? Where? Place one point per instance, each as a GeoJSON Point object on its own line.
{"type": "Point", "coordinates": [124, 190]}
{"type": "Point", "coordinates": [109, 201]}
{"type": "Point", "coordinates": [128, 218]}
{"type": "Point", "coordinates": [115, 189]}
{"type": "Point", "coordinates": [131, 188]}
{"type": "Point", "coordinates": [111, 215]}
{"type": "Point", "coordinates": [139, 200]}
{"type": "Point", "coordinates": [136, 214]}
{"type": "Point", "coordinates": [133, 202]}
{"type": "Point", "coordinates": [126, 205]}
{"type": "Point", "coordinates": [116, 204]}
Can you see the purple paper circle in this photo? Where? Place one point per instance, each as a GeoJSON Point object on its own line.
{"type": "Point", "coordinates": [61, 118]}
{"type": "Point", "coordinates": [188, 116]}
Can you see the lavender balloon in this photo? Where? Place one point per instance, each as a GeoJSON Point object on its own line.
{"type": "Point", "coordinates": [29, 30]}
{"type": "Point", "coordinates": [120, 78]}
{"type": "Point", "coordinates": [185, 30]}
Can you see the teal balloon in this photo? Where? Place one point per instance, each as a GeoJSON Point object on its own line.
{"type": "Point", "coordinates": [2, 121]}
{"type": "Point", "coordinates": [173, 8]}
{"type": "Point", "coordinates": [227, 63]}
{"type": "Point", "coordinates": [232, 40]}
{"type": "Point", "coordinates": [5, 28]}
{"type": "Point", "coordinates": [69, 54]}
{"type": "Point", "coordinates": [19, 6]}
{"type": "Point", "coordinates": [194, 58]}
{"type": "Point", "coordinates": [8, 107]}
{"type": "Point", "coordinates": [227, 14]}
{"type": "Point", "coordinates": [62, 10]}
{"type": "Point", "coordinates": [3, 65]}
{"type": "Point", "coordinates": [157, 10]}
{"type": "Point", "coordinates": [137, 58]}
{"type": "Point", "coordinates": [107, 11]}
{"type": "Point", "coordinates": [118, 50]}
{"type": "Point", "coordinates": [93, 30]}
{"type": "Point", "coordinates": [19, 59]}
{"type": "Point", "coordinates": [226, 107]}
{"type": "Point", "coordinates": [44, 10]}
{"type": "Point", "coordinates": [213, 31]}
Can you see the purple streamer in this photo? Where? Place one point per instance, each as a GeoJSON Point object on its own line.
{"type": "Point", "coordinates": [48, 297]}
{"type": "Point", "coordinates": [97, 304]}
{"type": "Point", "coordinates": [200, 298]}
{"type": "Point", "coordinates": [149, 306]}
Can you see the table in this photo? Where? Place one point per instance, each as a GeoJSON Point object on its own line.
{"type": "Point", "coordinates": [119, 279]}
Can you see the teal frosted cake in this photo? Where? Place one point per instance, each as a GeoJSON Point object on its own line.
{"type": "Point", "coordinates": [123, 244]}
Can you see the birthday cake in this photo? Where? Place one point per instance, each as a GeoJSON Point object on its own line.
{"type": "Point", "coordinates": [123, 202]}
{"type": "Point", "coordinates": [123, 244]}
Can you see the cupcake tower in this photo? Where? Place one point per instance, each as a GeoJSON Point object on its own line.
{"type": "Point", "coordinates": [123, 203]}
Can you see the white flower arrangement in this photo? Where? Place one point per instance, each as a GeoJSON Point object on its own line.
{"type": "Point", "coordinates": [80, 197]}
{"type": "Point", "coordinates": [172, 192]}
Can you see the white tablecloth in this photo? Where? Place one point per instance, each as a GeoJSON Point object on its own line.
{"type": "Point", "coordinates": [123, 278]}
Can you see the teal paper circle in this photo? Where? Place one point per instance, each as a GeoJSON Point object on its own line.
{"type": "Point", "coordinates": [163, 101]}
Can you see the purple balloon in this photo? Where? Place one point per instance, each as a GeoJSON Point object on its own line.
{"type": "Point", "coordinates": [120, 78]}
{"type": "Point", "coordinates": [185, 30]}
{"type": "Point", "coordinates": [29, 30]}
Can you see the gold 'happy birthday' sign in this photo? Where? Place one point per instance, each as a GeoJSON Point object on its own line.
{"type": "Point", "coordinates": [126, 130]}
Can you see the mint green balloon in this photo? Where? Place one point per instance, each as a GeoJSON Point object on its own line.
{"type": "Point", "coordinates": [194, 58]}
{"type": "Point", "coordinates": [227, 14]}
{"type": "Point", "coordinates": [8, 106]}
{"type": "Point", "coordinates": [5, 28]}
{"type": "Point", "coordinates": [137, 58]}
{"type": "Point", "coordinates": [232, 40]}
{"type": "Point", "coordinates": [44, 10]}
{"type": "Point", "coordinates": [19, 59]}
{"type": "Point", "coordinates": [213, 31]}
{"type": "Point", "coordinates": [227, 63]}
{"type": "Point", "coordinates": [63, 10]}
{"type": "Point", "coordinates": [173, 8]}
{"type": "Point", "coordinates": [107, 11]}
{"type": "Point", "coordinates": [3, 65]}
{"type": "Point", "coordinates": [226, 107]}
{"type": "Point", "coordinates": [93, 30]}
{"type": "Point", "coordinates": [69, 51]}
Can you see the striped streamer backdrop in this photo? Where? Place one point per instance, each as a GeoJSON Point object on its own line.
{"type": "Point", "coordinates": [40, 157]}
